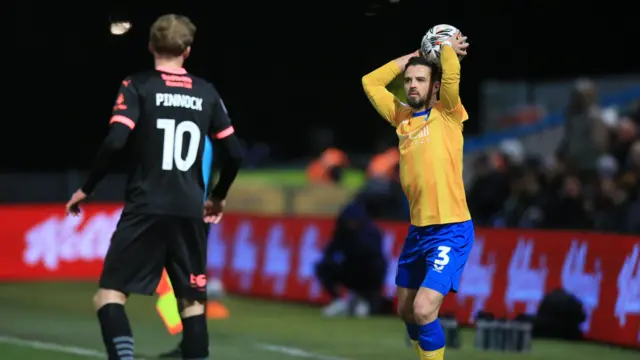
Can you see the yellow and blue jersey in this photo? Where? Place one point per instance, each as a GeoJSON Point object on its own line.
{"type": "Point", "coordinates": [430, 144]}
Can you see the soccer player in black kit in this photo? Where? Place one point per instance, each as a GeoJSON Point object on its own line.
{"type": "Point", "coordinates": [162, 116]}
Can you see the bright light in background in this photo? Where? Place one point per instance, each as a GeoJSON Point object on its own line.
{"type": "Point", "coordinates": [120, 27]}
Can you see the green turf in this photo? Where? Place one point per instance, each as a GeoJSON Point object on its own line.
{"type": "Point", "coordinates": [353, 179]}
{"type": "Point", "coordinates": [61, 313]}
{"type": "Point", "coordinates": [8, 351]}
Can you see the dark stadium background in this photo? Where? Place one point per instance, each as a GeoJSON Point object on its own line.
{"type": "Point", "coordinates": [286, 70]}
{"type": "Point", "coordinates": [281, 65]}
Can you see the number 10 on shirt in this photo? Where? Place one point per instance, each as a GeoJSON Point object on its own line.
{"type": "Point", "coordinates": [173, 142]}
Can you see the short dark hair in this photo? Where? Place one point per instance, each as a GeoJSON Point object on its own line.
{"type": "Point", "coordinates": [436, 72]}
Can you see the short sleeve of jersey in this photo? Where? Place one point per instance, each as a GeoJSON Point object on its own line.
{"type": "Point", "coordinates": [220, 122]}
{"type": "Point", "coordinates": [126, 110]}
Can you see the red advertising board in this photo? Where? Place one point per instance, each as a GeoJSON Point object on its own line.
{"type": "Point", "coordinates": [508, 272]}
{"type": "Point", "coordinates": [41, 243]}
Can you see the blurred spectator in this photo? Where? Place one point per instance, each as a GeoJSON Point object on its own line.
{"type": "Point", "coordinates": [353, 260]}
{"type": "Point", "coordinates": [591, 183]}
{"type": "Point", "coordinates": [329, 167]}
{"type": "Point", "coordinates": [611, 206]}
{"type": "Point", "coordinates": [512, 152]}
{"type": "Point", "coordinates": [566, 208]}
{"type": "Point", "coordinates": [634, 159]}
{"type": "Point", "coordinates": [383, 165]}
{"type": "Point", "coordinates": [489, 189]}
{"type": "Point", "coordinates": [385, 198]}
{"type": "Point", "coordinates": [382, 193]}
{"type": "Point", "coordinates": [524, 205]}
{"type": "Point", "coordinates": [632, 221]}
{"type": "Point", "coordinates": [584, 127]}
{"type": "Point", "coordinates": [623, 136]}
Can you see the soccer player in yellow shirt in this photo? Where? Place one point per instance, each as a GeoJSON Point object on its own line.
{"type": "Point", "coordinates": [429, 129]}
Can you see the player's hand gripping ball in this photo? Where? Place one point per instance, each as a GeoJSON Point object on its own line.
{"type": "Point", "coordinates": [432, 40]}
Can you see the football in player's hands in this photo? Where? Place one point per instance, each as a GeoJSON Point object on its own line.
{"type": "Point", "coordinates": [459, 44]}
{"type": "Point", "coordinates": [432, 41]}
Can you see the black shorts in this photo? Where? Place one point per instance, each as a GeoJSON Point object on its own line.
{"type": "Point", "coordinates": [143, 245]}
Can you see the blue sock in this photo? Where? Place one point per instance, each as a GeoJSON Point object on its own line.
{"type": "Point", "coordinates": [413, 330]}
{"type": "Point", "coordinates": [431, 336]}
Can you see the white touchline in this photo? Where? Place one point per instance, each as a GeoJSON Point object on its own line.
{"type": "Point", "coordinates": [295, 352]}
{"type": "Point", "coordinates": [81, 351]}
{"type": "Point", "coordinates": [41, 345]}
{"type": "Point", "coordinates": [49, 346]}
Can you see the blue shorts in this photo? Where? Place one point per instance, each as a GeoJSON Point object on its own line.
{"type": "Point", "coordinates": [434, 256]}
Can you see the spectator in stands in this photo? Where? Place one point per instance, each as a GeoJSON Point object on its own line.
{"type": "Point", "coordinates": [328, 168]}
{"type": "Point", "coordinates": [353, 260]}
{"type": "Point", "coordinates": [611, 207]}
{"type": "Point", "coordinates": [623, 137]}
{"type": "Point", "coordinates": [566, 208]}
{"type": "Point", "coordinates": [383, 164]}
{"type": "Point", "coordinates": [524, 206]}
{"type": "Point", "coordinates": [489, 190]}
{"type": "Point", "coordinates": [634, 160]}
{"type": "Point", "coordinates": [632, 223]}
{"type": "Point", "coordinates": [382, 193]}
{"type": "Point", "coordinates": [593, 182]}
{"type": "Point", "coordinates": [584, 128]}
{"type": "Point", "coordinates": [629, 181]}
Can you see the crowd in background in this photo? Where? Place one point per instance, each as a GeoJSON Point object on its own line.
{"type": "Point", "coordinates": [590, 183]}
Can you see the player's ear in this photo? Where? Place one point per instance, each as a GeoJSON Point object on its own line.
{"type": "Point", "coordinates": [187, 53]}
{"type": "Point", "coordinates": [436, 86]}
{"type": "Point", "coordinates": [151, 49]}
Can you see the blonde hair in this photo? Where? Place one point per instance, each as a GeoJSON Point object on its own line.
{"type": "Point", "coordinates": [171, 35]}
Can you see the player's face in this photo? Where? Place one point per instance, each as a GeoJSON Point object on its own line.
{"type": "Point", "coordinates": [417, 80]}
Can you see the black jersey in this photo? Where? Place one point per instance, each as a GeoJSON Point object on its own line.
{"type": "Point", "coordinates": [167, 113]}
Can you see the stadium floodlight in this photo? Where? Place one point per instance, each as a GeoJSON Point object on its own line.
{"type": "Point", "coordinates": [120, 27]}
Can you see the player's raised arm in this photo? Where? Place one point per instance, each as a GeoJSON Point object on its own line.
{"type": "Point", "coordinates": [375, 86]}
{"type": "Point", "coordinates": [450, 88]}
{"type": "Point", "coordinates": [124, 117]}
{"type": "Point", "coordinates": [228, 148]}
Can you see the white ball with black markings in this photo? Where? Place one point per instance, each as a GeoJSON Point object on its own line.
{"type": "Point", "coordinates": [432, 40]}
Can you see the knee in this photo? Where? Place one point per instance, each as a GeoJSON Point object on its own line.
{"type": "Point", "coordinates": [191, 307]}
{"type": "Point", "coordinates": [107, 296]}
{"type": "Point", "coordinates": [405, 311]}
{"type": "Point", "coordinates": [425, 308]}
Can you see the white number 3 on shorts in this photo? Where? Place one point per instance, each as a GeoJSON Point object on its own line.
{"type": "Point", "coordinates": [443, 258]}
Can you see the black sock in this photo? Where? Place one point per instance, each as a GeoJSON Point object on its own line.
{"type": "Point", "coordinates": [195, 338]}
{"type": "Point", "coordinates": [116, 332]}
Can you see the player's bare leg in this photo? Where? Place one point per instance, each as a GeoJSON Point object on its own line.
{"type": "Point", "coordinates": [195, 337]}
{"type": "Point", "coordinates": [406, 297]}
{"type": "Point", "coordinates": [114, 324]}
{"type": "Point", "coordinates": [426, 306]}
